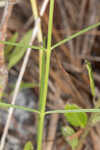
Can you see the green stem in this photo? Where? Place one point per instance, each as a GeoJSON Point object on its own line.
{"type": "Point", "coordinates": [42, 77]}
{"type": "Point", "coordinates": [75, 35]}
{"type": "Point", "coordinates": [21, 45]}
{"type": "Point", "coordinates": [43, 95]}
{"type": "Point", "coordinates": [72, 111]}
{"type": "Point", "coordinates": [5, 105]}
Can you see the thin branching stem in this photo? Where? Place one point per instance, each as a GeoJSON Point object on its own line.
{"type": "Point", "coordinates": [72, 111]}
{"type": "Point", "coordinates": [21, 45]}
{"type": "Point", "coordinates": [75, 35]}
{"type": "Point", "coordinates": [46, 76]}
{"type": "Point", "coordinates": [5, 105]}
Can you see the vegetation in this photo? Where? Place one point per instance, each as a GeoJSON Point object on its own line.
{"type": "Point", "coordinates": [74, 114]}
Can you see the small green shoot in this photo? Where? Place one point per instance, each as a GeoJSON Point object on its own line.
{"type": "Point", "coordinates": [90, 72]}
{"type": "Point", "coordinates": [95, 117]}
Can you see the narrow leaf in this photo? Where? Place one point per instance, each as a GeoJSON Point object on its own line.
{"type": "Point", "coordinates": [9, 48]}
{"type": "Point", "coordinates": [18, 53]}
{"type": "Point", "coordinates": [90, 72]}
{"type": "Point", "coordinates": [25, 85]}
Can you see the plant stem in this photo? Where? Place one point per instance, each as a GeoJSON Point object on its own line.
{"type": "Point", "coordinates": [75, 35]}
{"type": "Point", "coordinates": [22, 45]}
{"type": "Point", "coordinates": [72, 111]}
{"type": "Point", "coordinates": [5, 105]}
{"type": "Point", "coordinates": [44, 87]}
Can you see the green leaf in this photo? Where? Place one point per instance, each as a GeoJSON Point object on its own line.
{"type": "Point", "coordinates": [28, 146]}
{"type": "Point", "coordinates": [9, 48]}
{"type": "Point", "coordinates": [5, 105]}
{"type": "Point", "coordinates": [71, 37]}
{"type": "Point", "coordinates": [67, 132]}
{"type": "Point", "coordinates": [18, 53]}
{"type": "Point", "coordinates": [77, 119]}
{"type": "Point", "coordinates": [25, 85]}
{"type": "Point", "coordinates": [90, 72]}
{"type": "Point", "coordinates": [28, 85]}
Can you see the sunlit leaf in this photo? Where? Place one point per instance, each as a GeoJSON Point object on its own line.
{"type": "Point", "coordinates": [77, 119]}
{"type": "Point", "coordinates": [28, 146]}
